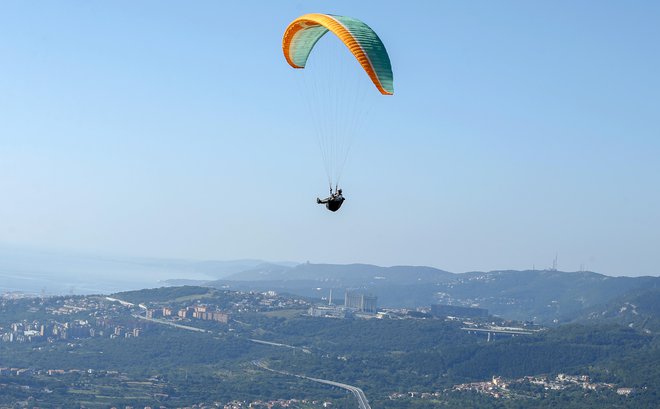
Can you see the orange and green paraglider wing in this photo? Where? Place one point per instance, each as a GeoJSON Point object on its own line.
{"type": "Point", "coordinates": [303, 33]}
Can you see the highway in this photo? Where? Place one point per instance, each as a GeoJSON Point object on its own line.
{"type": "Point", "coordinates": [172, 324]}
{"type": "Point", "coordinates": [275, 344]}
{"type": "Point", "coordinates": [122, 302]}
{"type": "Point", "coordinates": [500, 331]}
{"type": "Point", "coordinates": [164, 322]}
{"type": "Point", "coordinates": [357, 392]}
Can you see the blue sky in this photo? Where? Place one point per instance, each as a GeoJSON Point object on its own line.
{"type": "Point", "coordinates": [518, 130]}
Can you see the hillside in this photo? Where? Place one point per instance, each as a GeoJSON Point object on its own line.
{"type": "Point", "coordinates": [540, 295]}
{"type": "Point", "coordinates": [639, 309]}
{"type": "Point", "coordinates": [347, 275]}
{"type": "Point", "coordinates": [176, 361]}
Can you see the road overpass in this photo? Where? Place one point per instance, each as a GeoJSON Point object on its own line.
{"type": "Point", "coordinates": [491, 331]}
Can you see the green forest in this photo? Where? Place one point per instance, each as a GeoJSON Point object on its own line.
{"type": "Point", "coordinates": [173, 366]}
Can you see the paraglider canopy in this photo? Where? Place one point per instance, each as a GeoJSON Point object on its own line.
{"type": "Point", "coordinates": [303, 33]}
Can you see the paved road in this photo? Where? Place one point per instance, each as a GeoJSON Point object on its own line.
{"type": "Point", "coordinates": [499, 331]}
{"type": "Point", "coordinates": [275, 344]}
{"type": "Point", "coordinates": [172, 324]}
{"type": "Point", "coordinates": [122, 302]}
{"type": "Point", "coordinates": [359, 393]}
{"type": "Point", "coordinates": [164, 322]}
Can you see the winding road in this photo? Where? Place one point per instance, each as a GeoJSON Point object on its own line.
{"type": "Point", "coordinates": [171, 324]}
{"type": "Point", "coordinates": [357, 392]}
{"type": "Point", "coordinates": [275, 344]}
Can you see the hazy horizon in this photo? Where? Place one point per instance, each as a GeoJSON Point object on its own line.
{"type": "Point", "coordinates": [517, 131]}
{"type": "Point", "coordinates": [44, 260]}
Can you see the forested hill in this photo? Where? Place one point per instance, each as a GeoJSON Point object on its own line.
{"type": "Point", "coordinates": [639, 309]}
{"type": "Point", "coordinates": [344, 275]}
{"type": "Point", "coordinates": [544, 296]}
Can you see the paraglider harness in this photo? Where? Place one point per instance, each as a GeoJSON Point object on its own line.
{"type": "Point", "coordinates": [334, 201]}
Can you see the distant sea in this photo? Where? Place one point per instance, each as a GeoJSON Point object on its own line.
{"type": "Point", "coordinates": [37, 271]}
{"type": "Point", "coordinates": [56, 283]}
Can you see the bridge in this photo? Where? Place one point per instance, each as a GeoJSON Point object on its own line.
{"type": "Point", "coordinates": [491, 331]}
